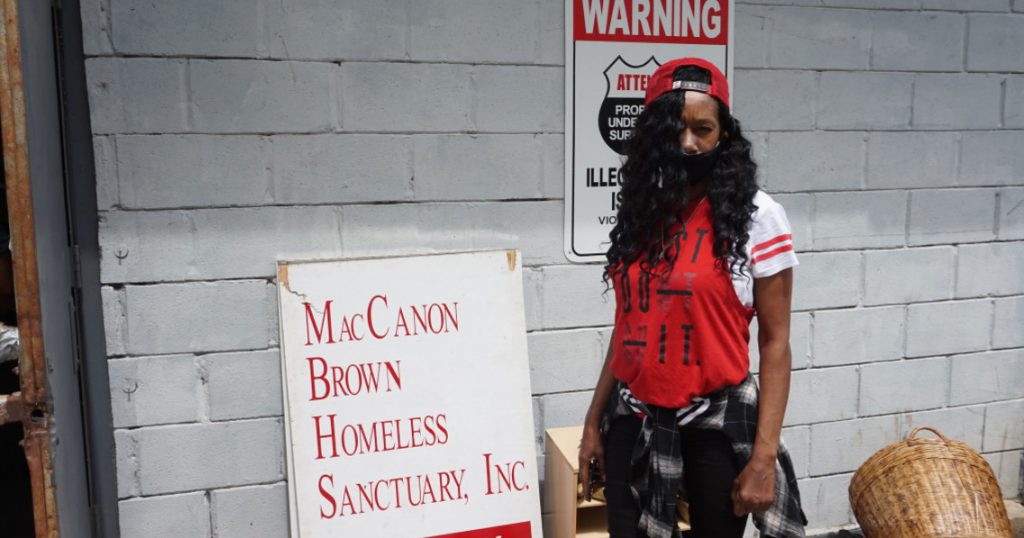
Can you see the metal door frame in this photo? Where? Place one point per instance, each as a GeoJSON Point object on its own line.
{"type": "Point", "coordinates": [33, 406]}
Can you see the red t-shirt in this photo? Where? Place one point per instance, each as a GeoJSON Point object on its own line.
{"type": "Point", "coordinates": [684, 333]}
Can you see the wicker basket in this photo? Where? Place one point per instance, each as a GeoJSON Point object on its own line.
{"type": "Point", "coordinates": [928, 488]}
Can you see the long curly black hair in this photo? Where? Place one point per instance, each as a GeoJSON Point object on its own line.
{"type": "Point", "coordinates": [647, 210]}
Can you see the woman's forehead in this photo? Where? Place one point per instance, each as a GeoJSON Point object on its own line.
{"type": "Point", "coordinates": [699, 105]}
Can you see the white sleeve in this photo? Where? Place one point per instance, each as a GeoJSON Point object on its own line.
{"type": "Point", "coordinates": [771, 241]}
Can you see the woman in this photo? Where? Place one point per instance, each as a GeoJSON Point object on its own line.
{"type": "Point", "coordinates": [697, 251]}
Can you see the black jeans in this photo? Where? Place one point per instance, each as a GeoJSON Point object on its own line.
{"type": "Point", "coordinates": [709, 468]}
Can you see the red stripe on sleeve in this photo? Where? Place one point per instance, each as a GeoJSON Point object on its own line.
{"type": "Point", "coordinates": [765, 244]}
{"type": "Point", "coordinates": [774, 252]}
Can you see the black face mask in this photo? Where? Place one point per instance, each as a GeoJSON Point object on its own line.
{"type": "Point", "coordinates": [699, 165]}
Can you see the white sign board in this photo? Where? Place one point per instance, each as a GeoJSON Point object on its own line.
{"type": "Point", "coordinates": [407, 397]}
{"type": "Point", "coordinates": [611, 48]}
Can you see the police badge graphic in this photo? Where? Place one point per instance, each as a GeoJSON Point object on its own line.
{"type": "Point", "coordinates": [623, 101]}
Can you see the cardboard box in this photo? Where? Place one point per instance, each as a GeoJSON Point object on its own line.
{"type": "Point", "coordinates": [566, 513]}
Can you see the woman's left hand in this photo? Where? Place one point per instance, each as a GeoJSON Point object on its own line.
{"type": "Point", "coordinates": [754, 489]}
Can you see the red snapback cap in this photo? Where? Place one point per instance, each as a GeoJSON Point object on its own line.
{"type": "Point", "coordinates": [661, 81]}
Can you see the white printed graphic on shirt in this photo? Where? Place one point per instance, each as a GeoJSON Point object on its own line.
{"type": "Point", "coordinates": [769, 249]}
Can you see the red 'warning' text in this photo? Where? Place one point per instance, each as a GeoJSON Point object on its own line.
{"type": "Point", "coordinates": [659, 21]}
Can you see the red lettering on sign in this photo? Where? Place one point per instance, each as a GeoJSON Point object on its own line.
{"type": "Point", "coordinates": [652, 21]}
{"type": "Point", "coordinates": [636, 82]}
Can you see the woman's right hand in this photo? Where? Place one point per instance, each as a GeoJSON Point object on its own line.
{"type": "Point", "coordinates": [590, 449]}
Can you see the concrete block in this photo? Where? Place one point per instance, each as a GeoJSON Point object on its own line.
{"type": "Point", "coordinates": [200, 456]}
{"type": "Point", "coordinates": [1014, 508]}
{"type": "Point", "coordinates": [483, 167]}
{"type": "Point", "coordinates": [908, 275]}
{"type": "Point", "coordinates": [822, 394]}
{"type": "Point", "coordinates": [1011, 213]}
{"type": "Point", "coordinates": [231, 378]}
{"type": "Point", "coordinates": [1009, 318]}
{"type": "Point", "coordinates": [934, 161]}
{"type": "Point", "coordinates": [957, 101]}
{"type": "Point", "coordinates": [127, 240]}
{"type": "Point", "coordinates": [971, 5]}
{"type": "Point", "coordinates": [799, 210]}
{"type": "Point", "coordinates": [96, 40]}
{"type": "Point", "coordinates": [326, 30]}
{"type": "Point", "coordinates": [1018, 6]}
{"type": "Point", "coordinates": [563, 361]}
{"type": "Point", "coordinates": [573, 296]}
{"type": "Point", "coordinates": [798, 443]}
{"type": "Point", "coordinates": [994, 42]}
{"type": "Point", "coordinates": [775, 99]}
{"type": "Point", "coordinates": [808, 161]}
{"type": "Point", "coordinates": [207, 244]}
{"type": "Point", "coordinates": [987, 377]}
{"type": "Point", "coordinates": [752, 25]}
{"type": "Point", "coordinates": [827, 280]}
{"type": "Point", "coordinates": [193, 171]}
{"type": "Point", "coordinates": [952, 216]}
{"type": "Point", "coordinates": [850, 100]}
{"type": "Point", "coordinates": [127, 458]}
{"type": "Point", "coordinates": [917, 41]}
{"type": "Point", "coordinates": [551, 34]}
{"type": "Point", "coordinates": [901, 386]}
{"type": "Point", "coordinates": [858, 336]}
{"type": "Point", "coordinates": [565, 409]}
{"type": "Point", "coordinates": [810, 38]}
{"type": "Point", "coordinates": [1007, 468]}
{"type": "Point", "coordinates": [826, 500]}
{"type": "Point", "coordinates": [137, 95]}
{"type": "Point", "coordinates": [253, 96]}
{"type": "Point", "coordinates": [1004, 429]}
{"type": "Point", "coordinates": [184, 516]}
{"type": "Point", "coordinates": [113, 319]}
{"type": "Point", "coordinates": [482, 31]}
{"type": "Point", "coordinates": [1013, 107]}
{"type": "Point", "coordinates": [948, 327]}
{"type": "Point", "coordinates": [104, 150]}
{"type": "Point", "coordinates": [250, 512]}
{"type": "Point", "coordinates": [188, 28]}
{"type": "Point", "coordinates": [406, 97]}
{"type": "Point", "coordinates": [799, 342]}
{"type": "Point", "coordinates": [533, 291]}
{"type": "Point", "coordinates": [860, 219]}
{"type": "Point", "coordinates": [759, 153]}
{"type": "Point", "coordinates": [992, 158]}
{"type": "Point", "coordinates": [784, 2]}
{"type": "Point", "coordinates": [990, 269]}
{"type": "Point", "coordinates": [875, 4]}
{"type": "Point", "coordinates": [844, 446]}
{"type": "Point", "coordinates": [538, 425]}
{"type": "Point", "coordinates": [154, 390]}
{"type": "Point", "coordinates": [519, 99]}
{"type": "Point", "coordinates": [207, 316]}
{"type": "Point", "coordinates": [246, 242]}
{"type": "Point", "coordinates": [552, 162]}
{"type": "Point", "coordinates": [532, 227]}
{"type": "Point", "coordinates": [333, 168]}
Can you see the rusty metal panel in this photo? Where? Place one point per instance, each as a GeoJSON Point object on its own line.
{"type": "Point", "coordinates": [32, 365]}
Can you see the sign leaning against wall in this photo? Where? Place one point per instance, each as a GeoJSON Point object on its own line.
{"type": "Point", "coordinates": [611, 48]}
{"type": "Point", "coordinates": [407, 397]}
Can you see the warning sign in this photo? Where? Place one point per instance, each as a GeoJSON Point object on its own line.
{"type": "Point", "coordinates": [612, 49]}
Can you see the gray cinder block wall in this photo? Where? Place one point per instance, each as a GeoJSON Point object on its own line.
{"type": "Point", "coordinates": [230, 133]}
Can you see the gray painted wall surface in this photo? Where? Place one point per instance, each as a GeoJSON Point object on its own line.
{"type": "Point", "coordinates": [230, 133]}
